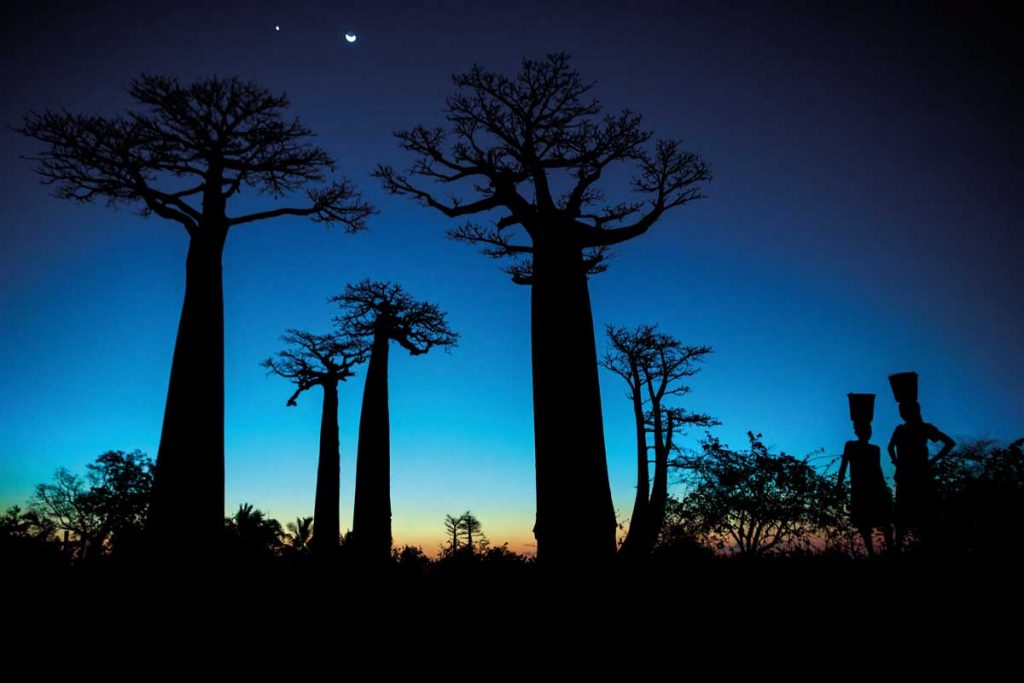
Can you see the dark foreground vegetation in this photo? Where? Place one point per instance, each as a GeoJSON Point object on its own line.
{"type": "Point", "coordinates": [734, 510]}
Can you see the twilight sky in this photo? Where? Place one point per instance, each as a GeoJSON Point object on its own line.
{"type": "Point", "coordinates": [864, 219]}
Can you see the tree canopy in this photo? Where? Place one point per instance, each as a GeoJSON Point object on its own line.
{"type": "Point", "coordinates": [188, 148]}
{"type": "Point", "coordinates": [533, 147]}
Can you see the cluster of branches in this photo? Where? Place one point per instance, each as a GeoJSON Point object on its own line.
{"type": "Point", "coordinates": [187, 150]}
{"type": "Point", "coordinates": [99, 512]}
{"type": "Point", "coordinates": [369, 309]}
{"type": "Point", "coordinates": [754, 501]}
{"type": "Point", "coordinates": [512, 141]}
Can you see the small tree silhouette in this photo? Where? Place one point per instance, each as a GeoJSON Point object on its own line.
{"type": "Point", "coordinates": [379, 313]}
{"type": "Point", "coordinates": [464, 528]}
{"type": "Point", "coordinates": [654, 365]}
{"type": "Point", "coordinates": [183, 155]}
{"type": "Point", "coordinates": [300, 534]}
{"type": "Point", "coordinates": [321, 360]}
{"type": "Point", "coordinates": [453, 528]}
{"type": "Point", "coordinates": [514, 143]}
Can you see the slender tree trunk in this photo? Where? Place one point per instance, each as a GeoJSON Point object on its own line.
{"type": "Point", "coordinates": [659, 489]}
{"type": "Point", "coordinates": [326, 527]}
{"type": "Point", "coordinates": [636, 539]}
{"type": "Point", "coordinates": [371, 518]}
{"type": "Point", "coordinates": [575, 517]}
{"type": "Point", "coordinates": [187, 509]}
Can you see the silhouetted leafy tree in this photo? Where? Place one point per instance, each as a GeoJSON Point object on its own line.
{"type": "Point", "coordinates": [104, 509]}
{"type": "Point", "coordinates": [183, 154]}
{"type": "Point", "coordinates": [252, 536]}
{"type": "Point", "coordinates": [980, 499]}
{"type": "Point", "coordinates": [514, 143]}
{"type": "Point", "coordinates": [379, 313]}
{"type": "Point", "coordinates": [27, 539]}
{"type": "Point", "coordinates": [411, 560]}
{"type": "Point", "coordinates": [300, 534]}
{"type": "Point", "coordinates": [753, 502]}
{"type": "Point", "coordinates": [321, 360]}
{"type": "Point", "coordinates": [64, 503]}
{"type": "Point", "coordinates": [653, 364]}
{"type": "Point", "coordinates": [28, 524]}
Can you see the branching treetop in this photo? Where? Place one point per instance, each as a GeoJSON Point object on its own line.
{"type": "Point", "coordinates": [513, 142]}
{"type": "Point", "coordinates": [645, 356]}
{"type": "Point", "coordinates": [372, 308]}
{"type": "Point", "coordinates": [315, 359]}
{"type": "Point", "coordinates": [187, 150]}
{"type": "Point", "coordinates": [658, 362]}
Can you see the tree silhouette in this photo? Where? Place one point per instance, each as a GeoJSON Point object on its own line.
{"type": "Point", "coordinates": [470, 526]}
{"type": "Point", "coordinates": [321, 360]}
{"type": "Point", "coordinates": [300, 534]}
{"type": "Point", "coordinates": [26, 540]}
{"type": "Point", "coordinates": [653, 364]}
{"type": "Point", "coordinates": [64, 502]}
{"type": "Point", "coordinates": [467, 544]}
{"type": "Point", "coordinates": [251, 535]}
{"type": "Point", "coordinates": [103, 510]}
{"type": "Point", "coordinates": [464, 528]}
{"type": "Point", "coordinates": [514, 143]}
{"type": "Point", "coordinates": [453, 528]}
{"type": "Point", "coordinates": [753, 502]}
{"type": "Point", "coordinates": [379, 313]}
{"type": "Point", "coordinates": [980, 499]}
{"type": "Point", "coordinates": [183, 155]}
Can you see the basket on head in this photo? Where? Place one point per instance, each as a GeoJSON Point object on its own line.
{"type": "Point", "coordinates": [862, 407]}
{"type": "Point", "coordinates": [904, 386]}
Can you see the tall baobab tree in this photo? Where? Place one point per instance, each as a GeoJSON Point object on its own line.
{"type": "Point", "coordinates": [321, 360]}
{"type": "Point", "coordinates": [380, 313]}
{"type": "Point", "coordinates": [654, 365]}
{"type": "Point", "coordinates": [512, 143]}
{"type": "Point", "coordinates": [183, 154]}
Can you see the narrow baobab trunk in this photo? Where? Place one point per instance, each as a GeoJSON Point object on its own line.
{"type": "Point", "coordinates": [187, 510]}
{"type": "Point", "coordinates": [635, 542]}
{"type": "Point", "coordinates": [326, 528]}
{"type": "Point", "coordinates": [659, 489]}
{"type": "Point", "coordinates": [575, 517]}
{"type": "Point", "coordinates": [371, 518]}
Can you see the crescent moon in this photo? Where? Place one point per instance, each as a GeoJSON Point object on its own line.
{"type": "Point", "coordinates": [350, 37]}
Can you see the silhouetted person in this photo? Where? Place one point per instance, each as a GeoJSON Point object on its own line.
{"type": "Point", "coordinates": [908, 449]}
{"type": "Point", "coordinates": [870, 498]}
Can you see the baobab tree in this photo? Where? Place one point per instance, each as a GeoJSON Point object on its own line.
{"type": "Point", "coordinates": [321, 360]}
{"type": "Point", "coordinates": [512, 144]}
{"type": "Point", "coordinates": [183, 154]}
{"type": "Point", "coordinates": [654, 365]}
{"type": "Point", "coordinates": [379, 313]}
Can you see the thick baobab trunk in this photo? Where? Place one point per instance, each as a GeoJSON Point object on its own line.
{"type": "Point", "coordinates": [635, 543]}
{"type": "Point", "coordinates": [371, 518]}
{"type": "Point", "coordinates": [575, 516]}
{"type": "Point", "coordinates": [187, 509]}
{"type": "Point", "coordinates": [326, 528]}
